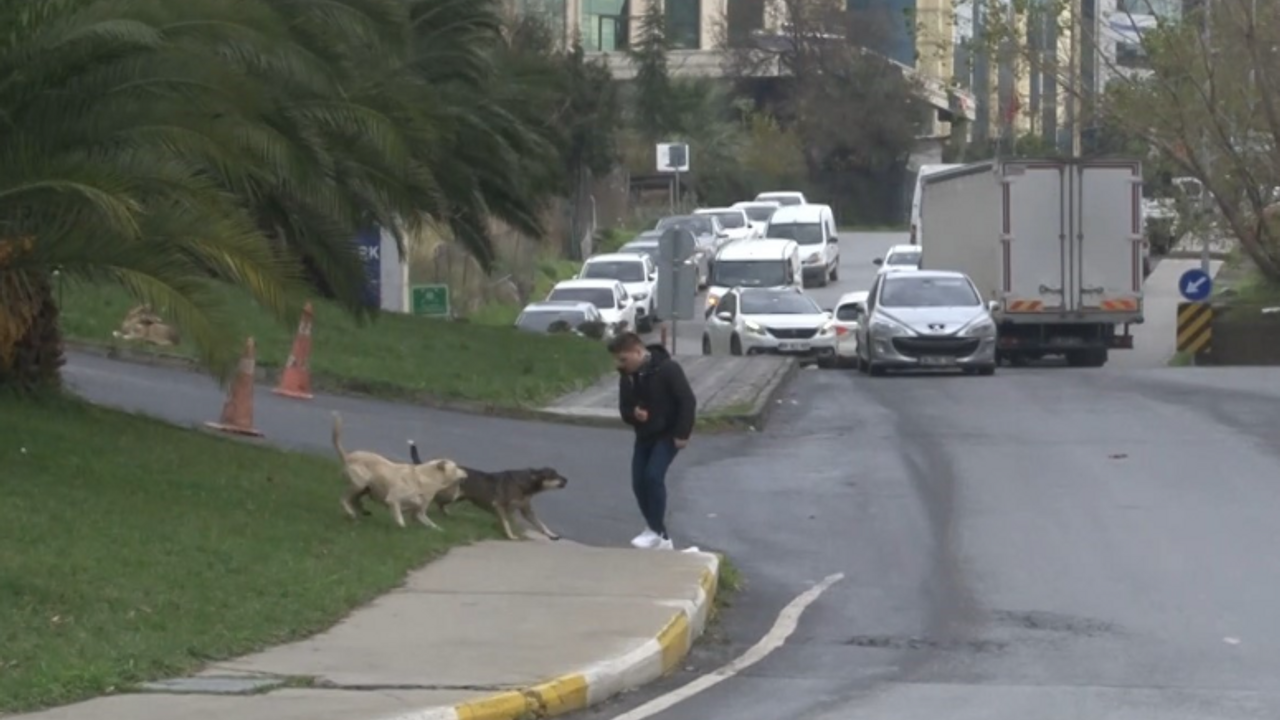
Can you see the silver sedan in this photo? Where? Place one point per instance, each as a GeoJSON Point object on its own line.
{"type": "Point", "coordinates": [926, 319]}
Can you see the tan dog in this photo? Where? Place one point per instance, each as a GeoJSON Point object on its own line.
{"type": "Point", "coordinates": [142, 324]}
{"type": "Point", "coordinates": [397, 485]}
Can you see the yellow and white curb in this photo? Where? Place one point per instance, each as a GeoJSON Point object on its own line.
{"type": "Point", "coordinates": [595, 684]}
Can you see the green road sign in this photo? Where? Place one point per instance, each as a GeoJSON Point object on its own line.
{"type": "Point", "coordinates": [430, 300]}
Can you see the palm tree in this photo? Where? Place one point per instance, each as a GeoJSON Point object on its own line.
{"type": "Point", "coordinates": [172, 146]}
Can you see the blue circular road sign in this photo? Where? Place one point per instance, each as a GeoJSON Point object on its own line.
{"type": "Point", "coordinates": [1195, 285]}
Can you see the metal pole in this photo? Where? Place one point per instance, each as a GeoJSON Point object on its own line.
{"type": "Point", "coordinates": [676, 201]}
{"type": "Point", "coordinates": [1073, 82]}
{"type": "Point", "coordinates": [1204, 139]}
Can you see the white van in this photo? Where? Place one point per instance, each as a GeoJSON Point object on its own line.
{"type": "Point", "coordinates": [754, 264]}
{"type": "Point", "coordinates": [814, 228]}
{"type": "Point", "coordinates": [925, 170]}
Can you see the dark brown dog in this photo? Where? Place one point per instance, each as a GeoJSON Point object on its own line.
{"type": "Point", "coordinates": [502, 493]}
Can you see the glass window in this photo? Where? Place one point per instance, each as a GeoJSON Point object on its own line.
{"type": "Point", "coordinates": [1165, 9]}
{"type": "Point", "coordinates": [684, 24]}
{"type": "Point", "coordinates": [605, 24]}
{"type": "Point", "coordinates": [760, 302]}
{"type": "Point", "coordinates": [620, 270]}
{"type": "Point", "coordinates": [731, 220]}
{"type": "Point", "coordinates": [748, 273]}
{"type": "Point", "coordinates": [903, 258]}
{"type": "Point", "coordinates": [849, 313]}
{"type": "Point", "coordinates": [602, 298]}
{"type": "Point", "coordinates": [914, 292]}
{"type": "Point", "coordinates": [542, 320]}
{"type": "Point", "coordinates": [760, 213]}
{"type": "Point", "coordinates": [552, 12]}
{"type": "Point", "coordinates": [802, 233]}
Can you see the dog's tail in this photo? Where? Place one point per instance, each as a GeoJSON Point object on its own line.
{"type": "Point", "coordinates": [337, 436]}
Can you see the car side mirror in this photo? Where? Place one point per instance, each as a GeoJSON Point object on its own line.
{"type": "Point", "coordinates": [829, 311]}
{"type": "Point", "coordinates": [878, 262]}
{"type": "Point", "coordinates": [724, 316]}
{"type": "Point", "coordinates": [993, 306]}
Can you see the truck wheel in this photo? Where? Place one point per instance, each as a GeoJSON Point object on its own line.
{"type": "Point", "coordinates": [735, 345]}
{"type": "Point", "coordinates": [1088, 358]}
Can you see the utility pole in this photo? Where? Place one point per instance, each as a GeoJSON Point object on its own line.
{"type": "Point", "coordinates": [1073, 81]}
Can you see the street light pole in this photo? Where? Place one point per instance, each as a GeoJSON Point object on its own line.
{"type": "Point", "coordinates": [1073, 81]}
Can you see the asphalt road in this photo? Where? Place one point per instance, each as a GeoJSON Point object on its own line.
{"type": "Point", "coordinates": [857, 250]}
{"type": "Point", "coordinates": [1048, 543]}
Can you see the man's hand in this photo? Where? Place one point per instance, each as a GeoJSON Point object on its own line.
{"type": "Point", "coordinates": [640, 414]}
{"type": "Point", "coordinates": [682, 444]}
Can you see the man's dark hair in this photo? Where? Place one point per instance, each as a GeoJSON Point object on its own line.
{"type": "Point", "coordinates": [625, 341]}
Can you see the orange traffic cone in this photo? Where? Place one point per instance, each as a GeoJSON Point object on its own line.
{"type": "Point", "coordinates": [237, 411]}
{"type": "Point", "coordinates": [295, 382]}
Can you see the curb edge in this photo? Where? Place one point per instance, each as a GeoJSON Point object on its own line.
{"type": "Point", "coordinates": [580, 690]}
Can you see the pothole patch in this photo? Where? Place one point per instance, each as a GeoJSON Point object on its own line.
{"type": "Point", "coordinates": [215, 685]}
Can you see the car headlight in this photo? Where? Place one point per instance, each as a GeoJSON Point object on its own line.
{"type": "Point", "coordinates": [754, 328]}
{"type": "Point", "coordinates": [712, 300]}
{"type": "Point", "coordinates": [827, 330]}
{"type": "Point", "coordinates": [641, 296]}
{"type": "Point", "coordinates": [812, 258]}
{"type": "Point", "coordinates": [981, 328]}
{"type": "Point", "coordinates": [888, 328]}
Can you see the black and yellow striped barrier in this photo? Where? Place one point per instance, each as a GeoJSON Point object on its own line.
{"type": "Point", "coordinates": [1195, 327]}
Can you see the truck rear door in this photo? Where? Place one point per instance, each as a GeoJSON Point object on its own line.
{"type": "Point", "coordinates": [1107, 240]}
{"type": "Point", "coordinates": [1033, 237]}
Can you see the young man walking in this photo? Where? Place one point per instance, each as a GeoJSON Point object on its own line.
{"type": "Point", "coordinates": [655, 399]}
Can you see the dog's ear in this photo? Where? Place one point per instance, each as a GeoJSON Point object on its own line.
{"type": "Point", "coordinates": [441, 465]}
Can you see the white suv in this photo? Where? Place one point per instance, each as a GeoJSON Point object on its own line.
{"type": "Point", "coordinates": [733, 221]}
{"type": "Point", "coordinates": [638, 275]}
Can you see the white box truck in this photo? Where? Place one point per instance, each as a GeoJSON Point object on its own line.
{"type": "Point", "coordinates": [1057, 244]}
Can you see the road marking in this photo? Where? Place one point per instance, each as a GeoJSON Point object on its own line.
{"type": "Point", "coordinates": [786, 624]}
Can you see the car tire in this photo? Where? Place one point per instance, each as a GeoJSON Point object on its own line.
{"type": "Point", "coordinates": [987, 370]}
{"type": "Point", "coordinates": [706, 344]}
{"type": "Point", "coordinates": [875, 370]}
{"type": "Point", "coordinates": [835, 272]}
{"type": "Point", "coordinates": [645, 325]}
{"type": "Point", "coordinates": [735, 346]}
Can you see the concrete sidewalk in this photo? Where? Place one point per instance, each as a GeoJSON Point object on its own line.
{"type": "Point", "coordinates": [735, 391]}
{"type": "Point", "coordinates": [494, 631]}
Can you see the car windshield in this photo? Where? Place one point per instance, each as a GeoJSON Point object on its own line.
{"type": "Point", "coordinates": [803, 233]}
{"type": "Point", "coordinates": [759, 213]}
{"type": "Point", "coordinates": [731, 220]}
{"type": "Point", "coordinates": [905, 258]}
{"type": "Point", "coordinates": [620, 270]}
{"type": "Point", "coordinates": [748, 273]}
{"type": "Point", "coordinates": [697, 224]}
{"type": "Point", "coordinates": [639, 248]}
{"type": "Point", "coordinates": [600, 297]}
{"type": "Point", "coordinates": [777, 303]}
{"type": "Point", "coordinates": [849, 312]}
{"type": "Point", "coordinates": [542, 320]}
{"type": "Point", "coordinates": [914, 292]}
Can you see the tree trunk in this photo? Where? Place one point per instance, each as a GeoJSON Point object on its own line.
{"type": "Point", "coordinates": [35, 360]}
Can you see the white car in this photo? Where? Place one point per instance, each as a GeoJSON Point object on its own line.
{"type": "Point", "coordinates": [900, 257]}
{"type": "Point", "coordinates": [848, 313]}
{"type": "Point", "coordinates": [814, 228]}
{"type": "Point", "coordinates": [539, 317]}
{"type": "Point", "coordinates": [734, 222]}
{"type": "Point", "coordinates": [609, 297]}
{"type": "Point", "coordinates": [638, 275]}
{"type": "Point", "coordinates": [758, 213]}
{"type": "Point", "coordinates": [784, 198]}
{"type": "Point", "coordinates": [770, 321]}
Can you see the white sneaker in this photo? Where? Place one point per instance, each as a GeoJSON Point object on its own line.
{"type": "Point", "coordinates": [665, 544]}
{"type": "Point", "coordinates": [645, 540]}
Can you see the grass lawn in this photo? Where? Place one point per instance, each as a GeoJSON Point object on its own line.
{"type": "Point", "coordinates": [132, 550]}
{"type": "Point", "coordinates": [397, 356]}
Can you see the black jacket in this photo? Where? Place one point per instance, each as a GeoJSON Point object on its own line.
{"type": "Point", "coordinates": [661, 388]}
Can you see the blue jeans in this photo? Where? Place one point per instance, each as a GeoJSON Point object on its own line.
{"type": "Point", "coordinates": [649, 463]}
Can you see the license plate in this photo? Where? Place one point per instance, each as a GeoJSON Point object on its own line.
{"type": "Point", "coordinates": [937, 360]}
{"type": "Point", "coordinates": [1067, 340]}
{"type": "Point", "coordinates": [793, 346]}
